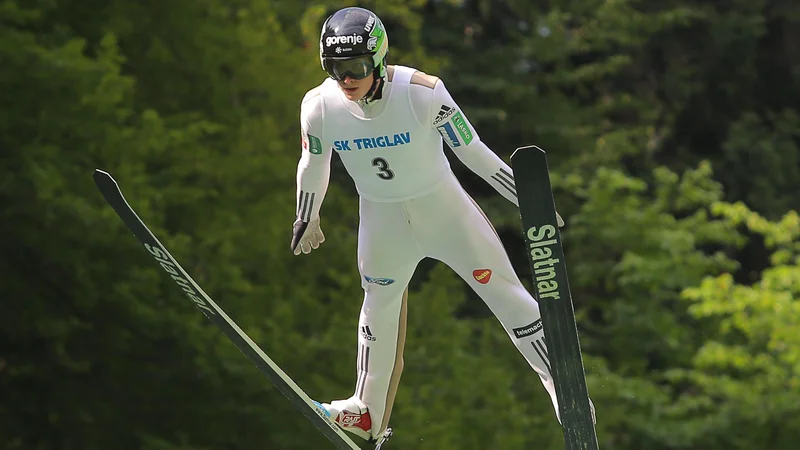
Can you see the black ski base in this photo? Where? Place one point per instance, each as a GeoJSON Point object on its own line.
{"type": "Point", "coordinates": [552, 291]}
{"type": "Point", "coordinates": [301, 401]}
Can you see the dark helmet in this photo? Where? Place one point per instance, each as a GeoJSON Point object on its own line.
{"type": "Point", "coordinates": [353, 43]}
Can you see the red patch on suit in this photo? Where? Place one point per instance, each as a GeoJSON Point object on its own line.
{"type": "Point", "coordinates": [482, 276]}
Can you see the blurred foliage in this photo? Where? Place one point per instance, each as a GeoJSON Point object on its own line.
{"type": "Point", "coordinates": [673, 136]}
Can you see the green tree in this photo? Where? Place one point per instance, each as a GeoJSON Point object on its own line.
{"type": "Point", "coordinates": [743, 390]}
{"type": "Point", "coordinates": [657, 118]}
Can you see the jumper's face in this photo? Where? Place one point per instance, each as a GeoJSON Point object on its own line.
{"type": "Point", "coordinates": [354, 89]}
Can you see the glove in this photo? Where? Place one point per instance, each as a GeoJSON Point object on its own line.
{"type": "Point", "coordinates": [306, 236]}
{"type": "Point", "coordinates": [559, 220]}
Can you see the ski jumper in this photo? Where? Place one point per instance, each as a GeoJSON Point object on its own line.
{"type": "Point", "coordinates": [412, 207]}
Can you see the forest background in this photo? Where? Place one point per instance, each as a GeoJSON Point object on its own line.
{"type": "Point", "coordinates": [673, 135]}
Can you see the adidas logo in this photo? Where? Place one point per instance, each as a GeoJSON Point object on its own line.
{"type": "Point", "coordinates": [366, 333]}
{"type": "Point", "coordinates": [444, 112]}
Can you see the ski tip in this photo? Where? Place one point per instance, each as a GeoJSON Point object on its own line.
{"type": "Point", "coordinates": [104, 179]}
{"type": "Point", "coordinates": [526, 149]}
{"type": "Point", "coordinates": [101, 175]}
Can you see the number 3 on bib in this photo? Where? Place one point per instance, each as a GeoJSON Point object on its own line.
{"type": "Point", "coordinates": [383, 168]}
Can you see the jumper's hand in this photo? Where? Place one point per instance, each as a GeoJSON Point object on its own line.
{"type": "Point", "coordinates": [306, 236]}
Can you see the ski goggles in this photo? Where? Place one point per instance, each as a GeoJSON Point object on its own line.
{"type": "Point", "coordinates": [355, 67]}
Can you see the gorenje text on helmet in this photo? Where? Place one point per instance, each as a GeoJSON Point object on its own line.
{"type": "Point", "coordinates": [339, 40]}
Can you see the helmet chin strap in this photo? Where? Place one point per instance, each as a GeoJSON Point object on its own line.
{"type": "Point", "coordinates": [376, 90]}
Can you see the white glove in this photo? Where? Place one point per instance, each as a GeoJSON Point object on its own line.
{"type": "Point", "coordinates": [306, 236]}
{"type": "Point", "coordinates": [560, 220]}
